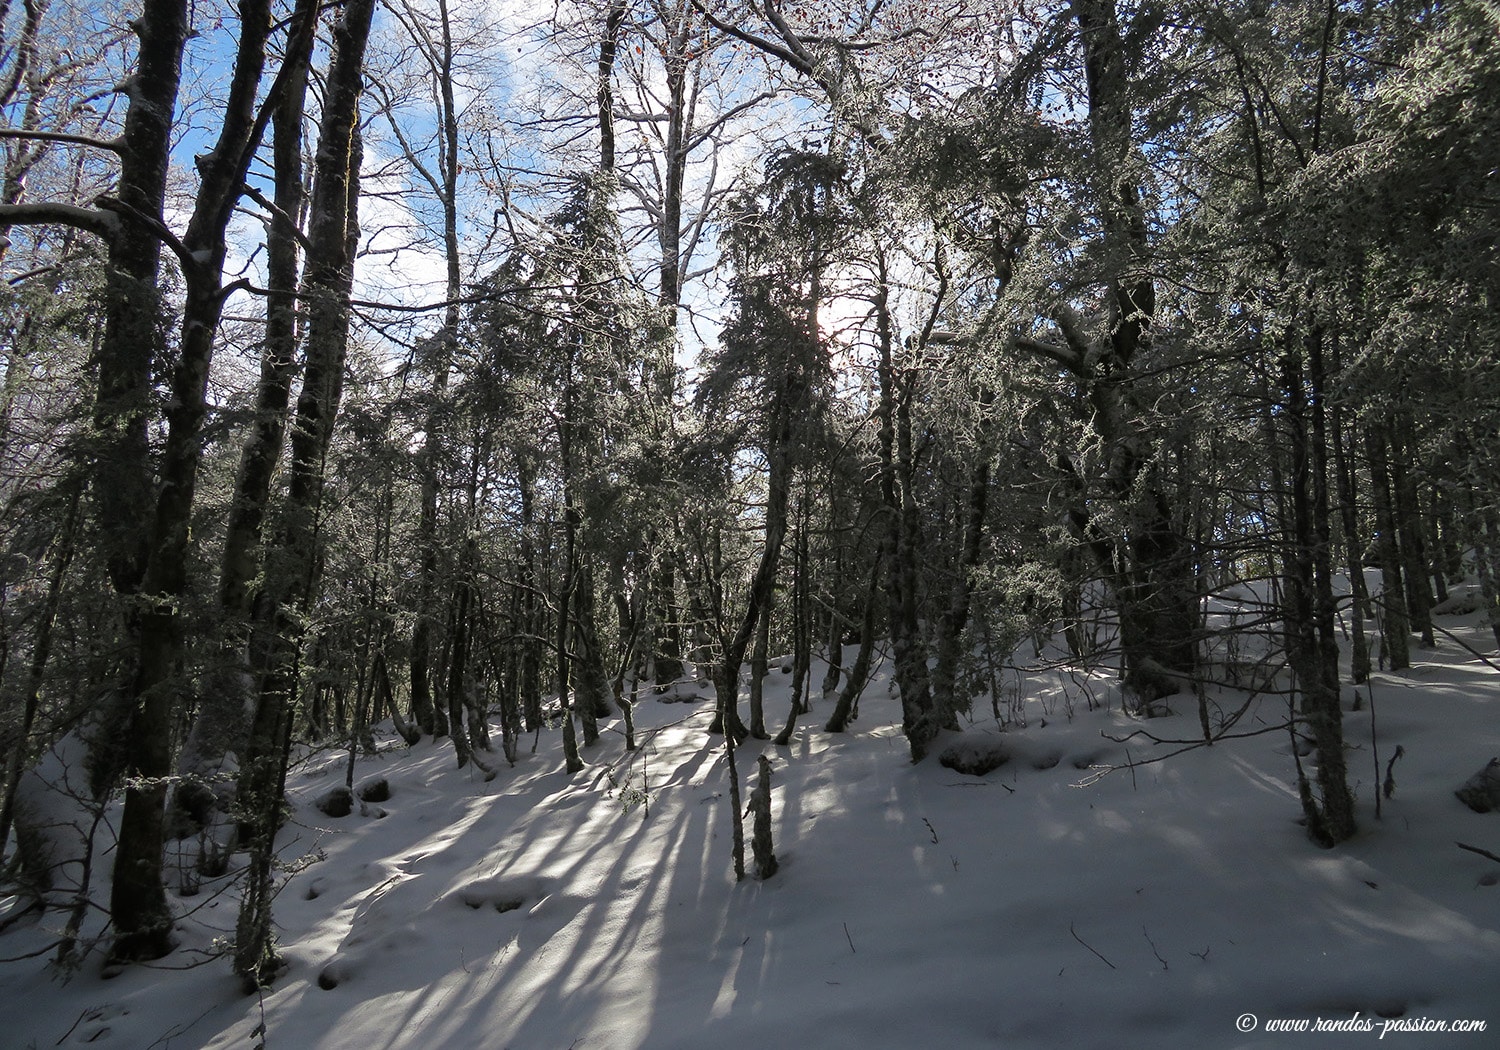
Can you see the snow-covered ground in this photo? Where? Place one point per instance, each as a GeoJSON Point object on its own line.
{"type": "Point", "coordinates": [1063, 900]}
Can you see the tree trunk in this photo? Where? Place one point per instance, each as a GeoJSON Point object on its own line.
{"type": "Point", "coordinates": [532, 633]}
{"type": "Point", "coordinates": [834, 649]}
{"type": "Point", "coordinates": [1157, 600]}
{"type": "Point", "coordinates": [760, 809]}
{"type": "Point", "coordinates": [594, 686]}
{"type": "Point", "coordinates": [138, 905]}
{"type": "Point", "coordinates": [292, 564]}
{"type": "Point", "coordinates": [1410, 531]}
{"type": "Point", "coordinates": [467, 737]}
{"type": "Point", "coordinates": [1359, 606]}
{"type": "Point", "coordinates": [1395, 624]}
{"type": "Point", "coordinates": [440, 56]}
{"type": "Point", "coordinates": [667, 644]}
{"type": "Point", "coordinates": [134, 317]}
{"type": "Point", "coordinates": [220, 725]}
{"type": "Point", "coordinates": [956, 617]}
{"type": "Point", "coordinates": [833, 639]}
{"type": "Point", "coordinates": [667, 621]}
{"type": "Point", "coordinates": [762, 585]}
{"type": "Point", "coordinates": [801, 632]}
{"type": "Point", "coordinates": [1483, 532]}
{"type": "Point", "coordinates": [901, 544]}
{"type": "Point", "coordinates": [263, 446]}
{"type": "Point", "coordinates": [1488, 557]}
{"type": "Point", "coordinates": [1313, 649]}
{"type": "Point", "coordinates": [859, 673]}
{"type": "Point", "coordinates": [759, 668]}
{"type": "Point", "coordinates": [569, 582]}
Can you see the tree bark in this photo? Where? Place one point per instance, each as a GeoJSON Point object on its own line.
{"type": "Point", "coordinates": [1410, 530]}
{"type": "Point", "coordinates": [801, 629]}
{"type": "Point", "coordinates": [956, 617]}
{"type": "Point", "coordinates": [441, 56]}
{"type": "Point", "coordinates": [529, 660]}
{"type": "Point", "coordinates": [760, 808]}
{"type": "Point", "coordinates": [134, 317]}
{"type": "Point", "coordinates": [759, 668]}
{"type": "Point", "coordinates": [859, 673]}
{"type": "Point", "coordinates": [1157, 600]}
{"type": "Point", "coordinates": [1312, 646]}
{"type": "Point", "coordinates": [220, 725]}
{"type": "Point", "coordinates": [569, 583]}
{"type": "Point", "coordinates": [292, 564]}
{"type": "Point", "coordinates": [1359, 606]}
{"type": "Point", "coordinates": [138, 906]}
{"type": "Point", "coordinates": [762, 585]}
{"type": "Point", "coordinates": [901, 544]}
{"type": "Point", "coordinates": [1395, 623]}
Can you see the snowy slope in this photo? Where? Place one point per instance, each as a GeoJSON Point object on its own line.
{"type": "Point", "coordinates": [1056, 902]}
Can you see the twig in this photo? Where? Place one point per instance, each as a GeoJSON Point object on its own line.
{"type": "Point", "coordinates": [1481, 852]}
{"type": "Point", "coordinates": [172, 1033]}
{"type": "Point", "coordinates": [85, 1012]}
{"type": "Point", "coordinates": [1154, 952]}
{"type": "Point", "coordinates": [1198, 742]}
{"type": "Point", "coordinates": [32, 954]}
{"type": "Point", "coordinates": [1102, 771]}
{"type": "Point", "coordinates": [1472, 651]}
{"type": "Point", "coordinates": [1090, 947]}
{"type": "Point", "coordinates": [848, 938]}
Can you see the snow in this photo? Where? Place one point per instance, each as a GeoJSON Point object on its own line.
{"type": "Point", "coordinates": [1062, 900]}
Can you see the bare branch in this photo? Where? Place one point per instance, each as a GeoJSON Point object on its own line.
{"type": "Point", "coordinates": [50, 213]}
{"type": "Point", "coordinates": [1476, 849]}
{"type": "Point", "coordinates": [799, 62]}
{"type": "Point", "coordinates": [270, 206]}
{"type": "Point", "coordinates": [114, 145]}
{"type": "Point", "coordinates": [1063, 355]}
{"type": "Point", "coordinates": [157, 227]}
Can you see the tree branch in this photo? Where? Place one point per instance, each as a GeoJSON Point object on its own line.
{"type": "Point", "coordinates": [50, 213]}
{"type": "Point", "coordinates": [1476, 849]}
{"type": "Point", "coordinates": [160, 229]}
{"type": "Point", "coordinates": [114, 145]}
{"type": "Point", "coordinates": [1063, 355]}
{"type": "Point", "coordinates": [270, 206]}
{"type": "Point", "coordinates": [798, 62]}
{"type": "Point", "coordinates": [1067, 324]}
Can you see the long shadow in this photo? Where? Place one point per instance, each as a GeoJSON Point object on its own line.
{"type": "Point", "coordinates": [606, 913]}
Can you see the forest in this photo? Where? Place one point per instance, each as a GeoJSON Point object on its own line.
{"type": "Point", "coordinates": [471, 377]}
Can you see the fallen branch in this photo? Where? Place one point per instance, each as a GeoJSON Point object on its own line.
{"type": "Point", "coordinates": [1154, 950]}
{"type": "Point", "coordinates": [1195, 741]}
{"type": "Point", "coordinates": [1476, 849]}
{"type": "Point", "coordinates": [1099, 772]}
{"type": "Point", "coordinates": [1465, 645]}
{"type": "Point", "coordinates": [1090, 947]}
